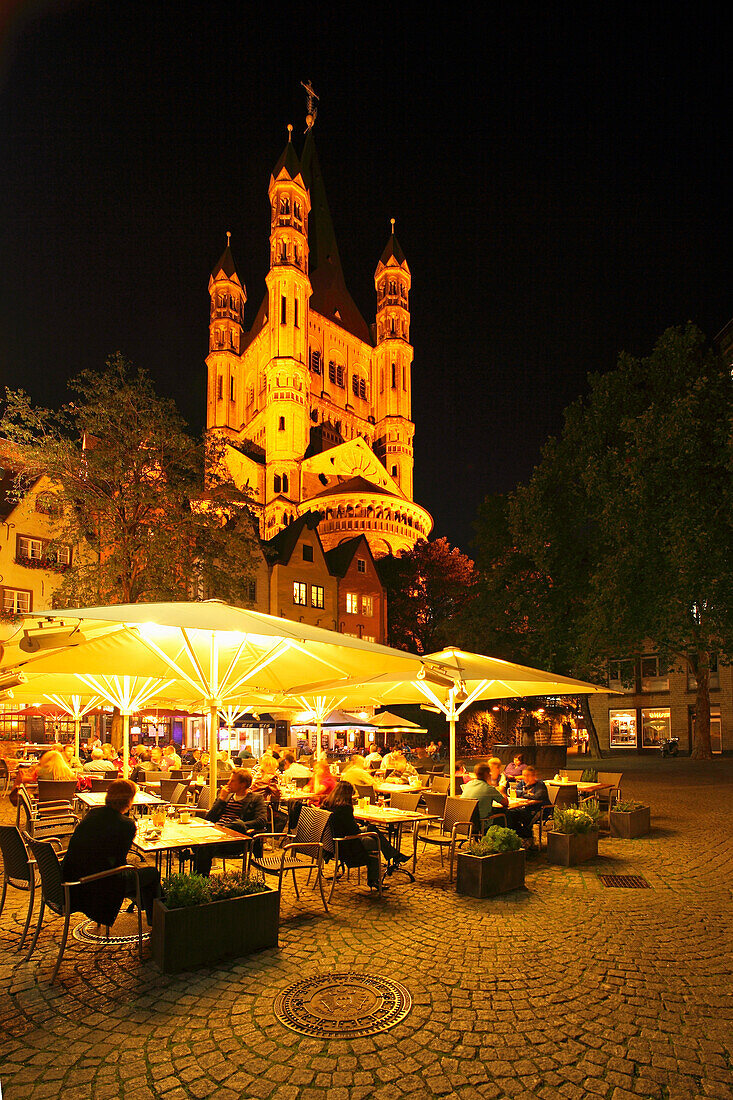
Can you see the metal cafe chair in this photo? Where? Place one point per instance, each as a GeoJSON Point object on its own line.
{"type": "Point", "coordinates": [301, 781]}
{"type": "Point", "coordinates": [405, 800]}
{"type": "Point", "coordinates": [167, 788]}
{"type": "Point", "coordinates": [4, 775]}
{"type": "Point", "coordinates": [455, 828]}
{"type": "Point", "coordinates": [55, 819]}
{"type": "Point", "coordinates": [99, 785]}
{"type": "Point", "coordinates": [56, 895]}
{"type": "Point", "coordinates": [434, 803]}
{"type": "Point", "coordinates": [366, 790]}
{"type": "Point", "coordinates": [441, 784]}
{"type": "Point", "coordinates": [303, 850]}
{"type": "Point", "coordinates": [18, 870]}
{"type": "Point", "coordinates": [56, 790]}
{"type": "Point", "coordinates": [348, 856]}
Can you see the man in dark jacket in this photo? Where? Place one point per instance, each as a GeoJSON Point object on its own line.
{"type": "Point", "coordinates": [100, 842]}
{"type": "Point", "coordinates": [236, 808]}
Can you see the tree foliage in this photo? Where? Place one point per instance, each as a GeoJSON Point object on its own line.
{"type": "Point", "coordinates": [130, 481]}
{"type": "Point", "coordinates": [428, 589]}
{"type": "Point", "coordinates": [624, 533]}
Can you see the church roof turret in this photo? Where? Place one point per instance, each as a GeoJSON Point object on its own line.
{"type": "Point", "coordinates": [288, 159]}
{"type": "Point", "coordinates": [393, 251]}
{"type": "Point", "coordinates": [225, 266]}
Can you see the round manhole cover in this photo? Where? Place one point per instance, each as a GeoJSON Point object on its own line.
{"type": "Point", "coordinates": [343, 1006]}
{"type": "Point", "coordinates": [124, 930]}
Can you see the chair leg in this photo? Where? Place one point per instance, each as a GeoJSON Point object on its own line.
{"type": "Point", "coordinates": [5, 890]}
{"type": "Point", "coordinates": [31, 899]}
{"type": "Point", "coordinates": [138, 902]}
{"type": "Point", "coordinates": [64, 937]}
{"type": "Point", "coordinates": [319, 876]}
{"type": "Point", "coordinates": [452, 851]}
{"type": "Point", "coordinates": [333, 884]}
{"type": "Point", "coordinates": [34, 941]}
{"type": "Point", "coordinates": [295, 884]}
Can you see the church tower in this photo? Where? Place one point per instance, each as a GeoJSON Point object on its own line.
{"type": "Point", "coordinates": [286, 376]}
{"type": "Point", "coordinates": [228, 296]}
{"type": "Point", "coordinates": [393, 362]}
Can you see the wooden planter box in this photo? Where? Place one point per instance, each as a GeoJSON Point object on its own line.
{"type": "Point", "coordinates": [201, 935]}
{"type": "Point", "coordinates": [486, 876]}
{"type": "Point", "coordinates": [631, 824]}
{"type": "Point", "coordinates": [567, 849]}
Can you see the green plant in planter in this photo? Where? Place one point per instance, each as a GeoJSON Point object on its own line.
{"type": "Point", "coordinates": [590, 775]}
{"type": "Point", "coordinates": [575, 819]}
{"type": "Point", "coordinates": [496, 839]}
{"type": "Point", "coordinates": [625, 806]}
{"type": "Point", "coordinates": [182, 891]}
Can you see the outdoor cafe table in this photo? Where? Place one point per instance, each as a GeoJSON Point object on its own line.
{"type": "Point", "coordinates": [96, 798]}
{"type": "Point", "coordinates": [583, 788]}
{"type": "Point", "coordinates": [395, 788]}
{"type": "Point", "coordinates": [175, 836]}
{"type": "Point", "coordinates": [395, 820]}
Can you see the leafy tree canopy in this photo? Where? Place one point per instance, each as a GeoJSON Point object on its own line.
{"type": "Point", "coordinates": [624, 533]}
{"type": "Point", "coordinates": [130, 480]}
{"type": "Point", "coordinates": [428, 588]}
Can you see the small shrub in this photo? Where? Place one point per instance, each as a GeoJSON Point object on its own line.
{"type": "Point", "coordinates": [575, 820]}
{"type": "Point", "coordinates": [181, 891]}
{"type": "Point", "coordinates": [625, 806]}
{"type": "Point", "coordinates": [496, 839]}
{"type": "Point", "coordinates": [590, 775]}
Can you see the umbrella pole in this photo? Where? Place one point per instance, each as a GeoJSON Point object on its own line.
{"type": "Point", "coordinates": [319, 746]}
{"type": "Point", "coordinates": [77, 731]}
{"type": "Point", "coordinates": [213, 749]}
{"type": "Point", "coordinates": [125, 745]}
{"type": "Point", "coordinates": [451, 716]}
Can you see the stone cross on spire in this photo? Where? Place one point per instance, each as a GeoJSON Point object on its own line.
{"type": "Point", "coordinates": [310, 118]}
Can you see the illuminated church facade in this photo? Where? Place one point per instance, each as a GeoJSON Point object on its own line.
{"type": "Point", "coordinates": [314, 404]}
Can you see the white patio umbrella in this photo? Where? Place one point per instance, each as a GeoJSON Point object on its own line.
{"type": "Point", "coordinates": [453, 679]}
{"type": "Point", "coordinates": [200, 653]}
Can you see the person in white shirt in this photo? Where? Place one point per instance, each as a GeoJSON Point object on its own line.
{"type": "Point", "coordinates": [374, 759]}
{"type": "Point", "coordinates": [392, 759]}
{"type": "Point", "coordinates": [293, 770]}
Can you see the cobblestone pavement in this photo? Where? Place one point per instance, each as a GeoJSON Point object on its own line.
{"type": "Point", "coordinates": [565, 989]}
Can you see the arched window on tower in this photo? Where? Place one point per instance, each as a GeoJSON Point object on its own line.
{"type": "Point", "coordinates": [281, 425]}
{"type": "Point", "coordinates": [394, 376]}
{"type": "Point", "coordinates": [276, 483]}
{"type": "Point", "coordinates": [297, 212]}
{"type": "Point", "coordinates": [391, 326]}
{"type": "Point", "coordinates": [285, 483]}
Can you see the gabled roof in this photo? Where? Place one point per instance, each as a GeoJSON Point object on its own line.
{"type": "Point", "coordinates": [339, 559]}
{"type": "Point", "coordinates": [354, 485]}
{"type": "Point", "coordinates": [330, 297]}
{"type": "Point", "coordinates": [279, 549]}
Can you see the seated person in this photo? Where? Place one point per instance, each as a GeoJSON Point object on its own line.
{"type": "Point", "coordinates": [490, 799]}
{"type": "Point", "coordinates": [320, 785]}
{"type": "Point", "coordinates": [521, 818]}
{"type": "Point", "coordinates": [101, 841]}
{"type": "Point", "coordinates": [389, 761]}
{"type": "Point", "coordinates": [189, 757]}
{"type": "Point", "coordinates": [52, 765]}
{"type": "Point", "coordinates": [246, 753]}
{"type": "Point", "coordinates": [361, 852]}
{"type": "Point", "coordinates": [292, 769]}
{"type": "Point", "coordinates": [99, 766]}
{"type": "Point", "coordinates": [224, 766]}
{"type": "Point", "coordinates": [137, 775]}
{"type": "Point", "coordinates": [71, 759]}
{"type": "Point", "coordinates": [201, 767]}
{"type": "Point", "coordinates": [498, 779]}
{"type": "Point", "coordinates": [515, 769]}
{"type": "Point", "coordinates": [238, 809]}
{"type": "Point", "coordinates": [171, 760]}
{"type": "Point", "coordinates": [373, 759]}
{"type": "Point", "coordinates": [357, 772]}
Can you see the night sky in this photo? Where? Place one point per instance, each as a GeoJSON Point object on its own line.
{"type": "Point", "coordinates": [560, 179]}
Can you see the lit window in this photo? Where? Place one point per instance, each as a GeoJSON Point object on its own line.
{"type": "Point", "coordinates": [367, 605]}
{"type": "Point", "coordinates": [300, 593]}
{"type": "Point", "coordinates": [368, 638]}
{"type": "Point", "coordinates": [58, 555]}
{"type": "Point", "coordinates": [16, 601]}
{"type": "Point", "coordinates": [316, 595]}
{"type": "Point", "coordinates": [352, 603]}
{"type": "Point", "coordinates": [361, 565]}
{"type": "Point", "coordinates": [30, 548]}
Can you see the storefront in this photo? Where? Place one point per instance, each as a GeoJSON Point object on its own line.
{"type": "Point", "coordinates": [622, 729]}
{"type": "Point", "coordinates": [635, 728]}
{"type": "Point", "coordinates": [656, 726]}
